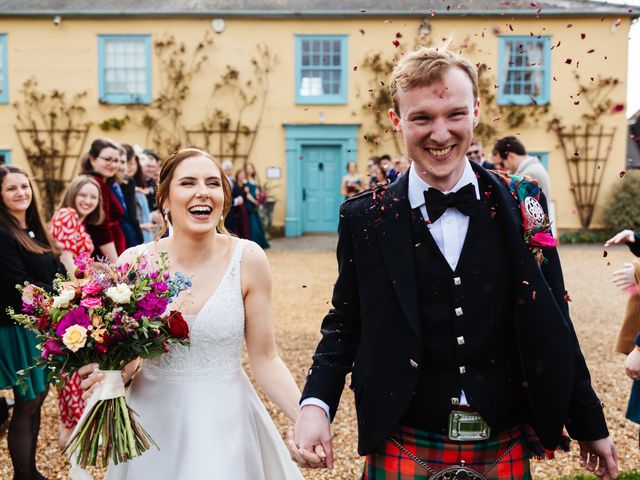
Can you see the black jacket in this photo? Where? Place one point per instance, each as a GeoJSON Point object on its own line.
{"type": "Point", "coordinates": [374, 326]}
{"type": "Point", "coordinates": [18, 266]}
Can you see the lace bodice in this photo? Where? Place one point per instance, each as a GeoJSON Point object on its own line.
{"type": "Point", "coordinates": [216, 334]}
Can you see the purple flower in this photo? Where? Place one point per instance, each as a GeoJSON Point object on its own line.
{"type": "Point", "coordinates": [51, 347]}
{"type": "Point", "coordinates": [160, 287]}
{"type": "Point", "coordinates": [150, 306]}
{"type": "Point", "coordinates": [77, 316]}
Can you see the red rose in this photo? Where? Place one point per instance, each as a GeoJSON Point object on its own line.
{"type": "Point", "coordinates": [177, 326]}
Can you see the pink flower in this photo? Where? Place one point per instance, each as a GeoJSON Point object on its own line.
{"type": "Point", "coordinates": [91, 302]}
{"type": "Point", "coordinates": [543, 240]}
{"type": "Point", "coordinates": [91, 288]}
{"type": "Point", "coordinates": [29, 294]}
{"type": "Point", "coordinates": [160, 287]}
{"type": "Point", "coordinates": [77, 316]}
{"type": "Point", "coordinates": [51, 347]}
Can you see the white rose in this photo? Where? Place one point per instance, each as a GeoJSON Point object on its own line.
{"type": "Point", "coordinates": [121, 293]}
{"type": "Point", "coordinates": [62, 300]}
{"type": "Point", "coordinates": [75, 337]}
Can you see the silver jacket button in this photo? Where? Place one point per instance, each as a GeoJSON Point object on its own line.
{"type": "Point", "coordinates": [413, 363]}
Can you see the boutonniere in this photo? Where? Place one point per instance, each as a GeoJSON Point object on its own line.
{"type": "Point", "coordinates": [537, 228]}
{"type": "Point", "coordinates": [536, 223]}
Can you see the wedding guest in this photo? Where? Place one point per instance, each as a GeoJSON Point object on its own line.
{"type": "Point", "coordinates": [28, 255]}
{"type": "Point", "coordinates": [197, 403]}
{"type": "Point", "coordinates": [378, 177]}
{"type": "Point", "coordinates": [143, 214]}
{"type": "Point", "coordinates": [352, 181]}
{"type": "Point", "coordinates": [102, 163]}
{"type": "Point", "coordinates": [390, 172]}
{"type": "Point", "coordinates": [80, 206]}
{"type": "Point", "coordinates": [241, 214]}
{"type": "Point", "coordinates": [254, 197]}
{"type": "Point", "coordinates": [627, 279]}
{"type": "Point", "coordinates": [151, 170]}
{"type": "Point", "coordinates": [516, 161]}
{"type": "Point", "coordinates": [125, 191]}
{"type": "Point", "coordinates": [234, 216]}
{"type": "Point", "coordinates": [475, 154]}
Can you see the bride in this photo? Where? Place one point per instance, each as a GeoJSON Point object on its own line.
{"type": "Point", "coordinates": [197, 403]}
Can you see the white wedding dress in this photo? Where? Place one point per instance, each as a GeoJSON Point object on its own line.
{"type": "Point", "coordinates": [199, 406]}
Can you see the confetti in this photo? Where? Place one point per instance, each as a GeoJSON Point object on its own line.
{"type": "Point", "coordinates": [355, 69]}
{"type": "Point", "coordinates": [569, 25]}
{"type": "Point", "coordinates": [398, 35]}
{"type": "Point", "coordinates": [622, 173]}
{"type": "Point", "coordinates": [604, 254]}
{"type": "Point", "coordinates": [396, 43]}
{"type": "Point", "coordinates": [617, 108]}
{"type": "Point", "coordinates": [566, 296]}
{"type": "Point", "coordinates": [591, 51]}
{"type": "Point", "coordinates": [583, 36]}
{"type": "Point", "coordinates": [361, 31]}
{"type": "Point", "coordinates": [568, 61]}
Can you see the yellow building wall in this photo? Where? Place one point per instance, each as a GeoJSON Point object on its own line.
{"type": "Point", "coordinates": [65, 57]}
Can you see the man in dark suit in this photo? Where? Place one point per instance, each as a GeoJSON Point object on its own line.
{"type": "Point", "coordinates": [458, 358]}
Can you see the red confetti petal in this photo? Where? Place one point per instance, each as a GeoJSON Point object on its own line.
{"type": "Point", "coordinates": [510, 27]}
{"type": "Point", "coordinates": [355, 69]}
{"type": "Point", "coordinates": [583, 35]}
{"type": "Point", "coordinates": [568, 61]}
{"type": "Point", "coordinates": [361, 31]}
{"type": "Point", "coordinates": [398, 35]}
{"type": "Point", "coordinates": [622, 173]}
{"type": "Point", "coordinates": [592, 50]}
{"type": "Point", "coordinates": [617, 108]}
{"type": "Point", "coordinates": [396, 43]}
{"type": "Point", "coordinates": [617, 22]}
{"type": "Point", "coordinates": [569, 25]}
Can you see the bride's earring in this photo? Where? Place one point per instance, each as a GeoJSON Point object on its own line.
{"type": "Point", "coordinates": [165, 212]}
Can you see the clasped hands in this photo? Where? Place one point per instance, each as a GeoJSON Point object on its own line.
{"type": "Point", "coordinates": [90, 376]}
{"type": "Point", "coordinates": [309, 440]}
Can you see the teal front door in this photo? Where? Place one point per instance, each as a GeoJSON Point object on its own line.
{"type": "Point", "coordinates": [320, 187]}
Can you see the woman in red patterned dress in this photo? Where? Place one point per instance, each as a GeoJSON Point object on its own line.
{"type": "Point", "coordinates": [102, 163]}
{"type": "Point", "coordinates": [81, 205]}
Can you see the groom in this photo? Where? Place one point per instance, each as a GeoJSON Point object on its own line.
{"type": "Point", "coordinates": [459, 359]}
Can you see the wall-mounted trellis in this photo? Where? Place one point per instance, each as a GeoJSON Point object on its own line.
{"type": "Point", "coordinates": [233, 144]}
{"type": "Point", "coordinates": [52, 137]}
{"type": "Point", "coordinates": [586, 151]}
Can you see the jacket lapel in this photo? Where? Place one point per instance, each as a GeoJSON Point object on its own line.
{"type": "Point", "coordinates": [395, 239]}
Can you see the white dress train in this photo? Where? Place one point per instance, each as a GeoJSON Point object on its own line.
{"type": "Point", "coordinates": [199, 406]}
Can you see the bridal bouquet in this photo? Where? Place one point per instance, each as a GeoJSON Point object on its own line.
{"type": "Point", "coordinates": [109, 315]}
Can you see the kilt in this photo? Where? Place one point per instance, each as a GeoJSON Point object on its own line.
{"type": "Point", "coordinates": [438, 452]}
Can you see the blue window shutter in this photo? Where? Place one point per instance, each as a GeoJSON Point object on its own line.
{"type": "Point", "coordinates": [321, 75]}
{"type": "Point", "coordinates": [4, 70]}
{"type": "Point", "coordinates": [5, 157]}
{"type": "Point", "coordinates": [521, 81]}
{"type": "Point", "coordinates": [128, 85]}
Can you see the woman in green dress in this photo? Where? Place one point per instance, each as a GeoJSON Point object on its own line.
{"type": "Point", "coordinates": [254, 199]}
{"type": "Point", "coordinates": [28, 255]}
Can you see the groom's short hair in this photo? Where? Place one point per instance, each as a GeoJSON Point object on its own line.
{"type": "Point", "coordinates": [425, 66]}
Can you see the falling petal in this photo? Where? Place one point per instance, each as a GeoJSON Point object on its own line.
{"type": "Point", "coordinates": [622, 173]}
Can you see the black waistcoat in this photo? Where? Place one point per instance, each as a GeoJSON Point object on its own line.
{"type": "Point", "coordinates": [467, 327]}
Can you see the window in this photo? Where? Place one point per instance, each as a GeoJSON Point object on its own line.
{"type": "Point", "coordinates": [124, 66]}
{"type": "Point", "coordinates": [4, 77]}
{"type": "Point", "coordinates": [523, 70]}
{"type": "Point", "coordinates": [5, 157]}
{"type": "Point", "coordinates": [543, 157]}
{"type": "Point", "coordinates": [321, 69]}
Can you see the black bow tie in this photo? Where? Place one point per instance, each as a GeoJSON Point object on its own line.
{"type": "Point", "coordinates": [464, 200]}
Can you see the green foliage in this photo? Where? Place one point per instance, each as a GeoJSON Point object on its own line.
{"type": "Point", "coordinates": [113, 123]}
{"type": "Point", "coordinates": [585, 236]}
{"type": "Point", "coordinates": [622, 209]}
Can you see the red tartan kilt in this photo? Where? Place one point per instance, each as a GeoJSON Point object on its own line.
{"type": "Point", "coordinates": [438, 452]}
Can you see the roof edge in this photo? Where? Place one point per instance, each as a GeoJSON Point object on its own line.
{"type": "Point", "coordinates": [555, 12]}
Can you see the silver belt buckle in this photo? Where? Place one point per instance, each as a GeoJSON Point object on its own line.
{"type": "Point", "coordinates": [467, 427]}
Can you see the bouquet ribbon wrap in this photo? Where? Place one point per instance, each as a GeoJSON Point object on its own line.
{"type": "Point", "coordinates": [112, 386]}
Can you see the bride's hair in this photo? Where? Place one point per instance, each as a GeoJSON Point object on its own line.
{"type": "Point", "coordinates": [166, 175]}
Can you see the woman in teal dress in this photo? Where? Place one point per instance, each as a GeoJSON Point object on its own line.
{"type": "Point", "coordinates": [27, 256]}
{"type": "Point", "coordinates": [255, 224]}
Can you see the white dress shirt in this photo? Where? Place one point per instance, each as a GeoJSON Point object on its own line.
{"type": "Point", "coordinates": [449, 232]}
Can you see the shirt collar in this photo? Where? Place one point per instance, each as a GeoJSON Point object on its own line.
{"type": "Point", "coordinates": [417, 185]}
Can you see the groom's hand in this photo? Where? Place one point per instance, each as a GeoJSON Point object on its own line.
{"type": "Point", "coordinates": [599, 457]}
{"type": "Point", "coordinates": [310, 441]}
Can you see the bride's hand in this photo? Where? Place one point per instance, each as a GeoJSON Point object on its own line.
{"type": "Point", "coordinates": [90, 376]}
